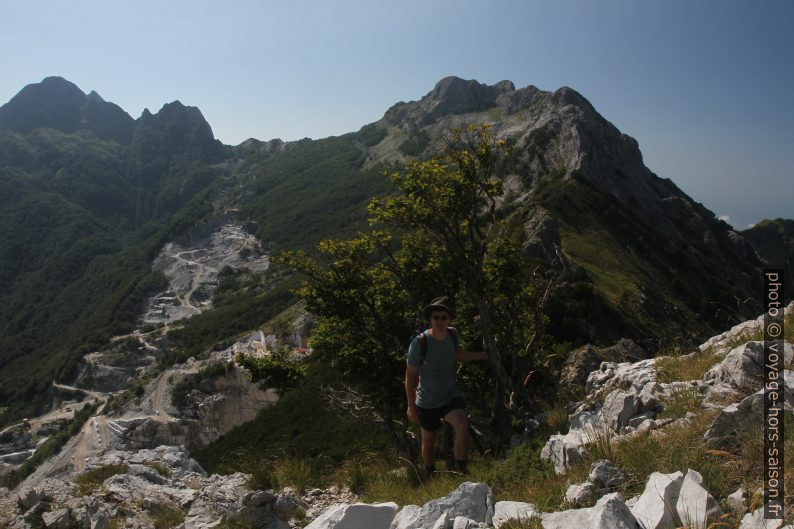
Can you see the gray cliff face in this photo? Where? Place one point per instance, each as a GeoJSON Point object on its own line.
{"type": "Point", "coordinates": [214, 407]}
{"type": "Point", "coordinates": [564, 147]}
{"type": "Point", "coordinates": [451, 95]}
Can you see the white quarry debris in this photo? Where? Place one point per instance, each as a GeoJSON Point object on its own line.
{"type": "Point", "coordinates": [192, 271]}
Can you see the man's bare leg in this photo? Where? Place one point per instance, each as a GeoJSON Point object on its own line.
{"type": "Point", "coordinates": [460, 423]}
{"type": "Point", "coordinates": [428, 448]}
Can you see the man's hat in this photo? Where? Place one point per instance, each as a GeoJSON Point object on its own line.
{"type": "Point", "coordinates": [442, 303]}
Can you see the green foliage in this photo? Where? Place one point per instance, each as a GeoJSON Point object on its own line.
{"type": "Point", "coordinates": [415, 144]}
{"type": "Point", "coordinates": [440, 235]}
{"type": "Point", "coordinates": [159, 468]}
{"type": "Point", "coordinates": [116, 402]}
{"type": "Point", "coordinates": [371, 135]}
{"type": "Point", "coordinates": [232, 521]}
{"type": "Point", "coordinates": [262, 478]}
{"type": "Point", "coordinates": [356, 476]}
{"type": "Point", "coordinates": [80, 231]}
{"type": "Point", "coordinates": [273, 371]}
{"type": "Point", "coordinates": [281, 431]}
{"type": "Point", "coordinates": [296, 473]}
{"type": "Point", "coordinates": [519, 477]}
{"type": "Point", "coordinates": [681, 401]}
{"type": "Point", "coordinates": [90, 480]}
{"type": "Point", "coordinates": [49, 448]}
{"type": "Point", "coordinates": [312, 190]}
{"type": "Point", "coordinates": [167, 517]}
{"type": "Point", "coordinates": [557, 417]}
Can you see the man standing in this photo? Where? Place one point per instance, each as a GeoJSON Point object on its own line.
{"type": "Point", "coordinates": [430, 383]}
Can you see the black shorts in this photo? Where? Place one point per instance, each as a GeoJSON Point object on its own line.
{"type": "Point", "coordinates": [430, 418]}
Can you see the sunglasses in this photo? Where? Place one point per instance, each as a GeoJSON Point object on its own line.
{"type": "Point", "coordinates": [441, 318]}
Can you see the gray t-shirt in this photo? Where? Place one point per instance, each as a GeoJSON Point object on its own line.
{"type": "Point", "coordinates": [437, 375]}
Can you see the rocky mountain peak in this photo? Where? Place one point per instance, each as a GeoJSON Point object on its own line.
{"type": "Point", "coordinates": [176, 129]}
{"type": "Point", "coordinates": [451, 95]}
{"type": "Point", "coordinates": [59, 104]}
{"type": "Point", "coordinates": [182, 117]}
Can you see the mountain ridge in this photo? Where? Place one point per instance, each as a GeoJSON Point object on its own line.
{"type": "Point", "coordinates": [647, 261]}
{"type": "Point", "coordinates": [59, 104]}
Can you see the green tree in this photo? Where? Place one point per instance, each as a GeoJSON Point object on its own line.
{"type": "Point", "coordinates": [439, 231]}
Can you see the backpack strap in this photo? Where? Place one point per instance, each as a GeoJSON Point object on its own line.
{"type": "Point", "coordinates": [422, 348]}
{"type": "Point", "coordinates": [423, 344]}
{"type": "Point", "coordinates": [454, 333]}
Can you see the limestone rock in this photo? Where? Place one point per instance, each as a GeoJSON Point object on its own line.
{"type": "Point", "coordinates": [564, 451]}
{"type": "Point", "coordinates": [609, 512]}
{"type": "Point", "coordinates": [695, 506]}
{"type": "Point", "coordinates": [58, 519]}
{"type": "Point", "coordinates": [100, 521]}
{"type": "Point", "coordinates": [472, 500]}
{"type": "Point", "coordinates": [356, 516]}
{"type": "Point", "coordinates": [738, 500]}
{"type": "Point", "coordinates": [461, 522]}
{"type": "Point", "coordinates": [656, 506]}
{"type": "Point", "coordinates": [582, 361]}
{"type": "Point", "coordinates": [650, 395]}
{"type": "Point", "coordinates": [619, 407]}
{"type": "Point", "coordinates": [286, 505]}
{"type": "Point", "coordinates": [743, 367]}
{"type": "Point", "coordinates": [605, 474]}
{"type": "Point", "coordinates": [746, 414]}
{"type": "Point", "coordinates": [622, 375]}
{"type": "Point", "coordinates": [512, 510]}
{"type": "Point", "coordinates": [543, 237]}
{"type": "Point", "coordinates": [579, 494]}
{"type": "Point", "coordinates": [755, 520]}
{"type": "Point", "coordinates": [444, 521]}
{"type": "Point", "coordinates": [407, 517]}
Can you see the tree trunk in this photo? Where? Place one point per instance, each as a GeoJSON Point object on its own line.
{"type": "Point", "coordinates": [401, 440]}
{"type": "Point", "coordinates": [491, 347]}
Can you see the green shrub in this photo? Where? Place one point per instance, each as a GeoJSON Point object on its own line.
{"type": "Point", "coordinates": [91, 480]}
{"type": "Point", "coordinates": [415, 144]}
{"type": "Point", "coordinates": [273, 372]}
{"type": "Point", "coordinates": [159, 468]}
{"type": "Point", "coordinates": [296, 473]}
{"type": "Point", "coordinates": [167, 517]}
{"type": "Point", "coordinates": [262, 478]}
{"type": "Point", "coordinates": [681, 401]}
{"type": "Point", "coordinates": [232, 521]}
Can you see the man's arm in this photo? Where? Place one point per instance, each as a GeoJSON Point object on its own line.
{"type": "Point", "coordinates": [411, 381]}
{"type": "Point", "coordinates": [467, 356]}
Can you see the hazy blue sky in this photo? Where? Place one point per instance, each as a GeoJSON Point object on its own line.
{"type": "Point", "coordinates": [706, 87]}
